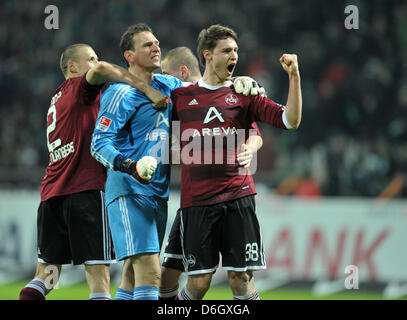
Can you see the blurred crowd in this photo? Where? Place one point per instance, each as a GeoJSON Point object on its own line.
{"type": "Point", "coordinates": [353, 137]}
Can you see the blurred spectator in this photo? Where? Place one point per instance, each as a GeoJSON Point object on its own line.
{"type": "Point", "coordinates": [302, 186]}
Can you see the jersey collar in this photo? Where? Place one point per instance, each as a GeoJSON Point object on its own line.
{"type": "Point", "coordinates": [201, 83]}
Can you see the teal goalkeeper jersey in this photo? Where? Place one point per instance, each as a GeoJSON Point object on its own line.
{"type": "Point", "coordinates": [128, 125]}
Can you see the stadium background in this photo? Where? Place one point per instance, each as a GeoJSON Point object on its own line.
{"type": "Point", "coordinates": [351, 144]}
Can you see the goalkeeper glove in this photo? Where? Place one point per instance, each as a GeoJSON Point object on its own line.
{"type": "Point", "coordinates": [245, 85]}
{"type": "Point", "coordinates": [141, 170]}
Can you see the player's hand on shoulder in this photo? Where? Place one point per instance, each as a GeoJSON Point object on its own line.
{"type": "Point", "coordinates": [158, 100]}
{"type": "Point", "coordinates": [246, 85]}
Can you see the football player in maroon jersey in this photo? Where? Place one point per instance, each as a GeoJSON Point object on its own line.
{"type": "Point", "coordinates": [217, 199]}
{"type": "Point", "coordinates": [180, 62]}
{"type": "Point", "coordinates": [72, 219]}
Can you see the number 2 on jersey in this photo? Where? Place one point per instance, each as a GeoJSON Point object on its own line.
{"type": "Point", "coordinates": [56, 143]}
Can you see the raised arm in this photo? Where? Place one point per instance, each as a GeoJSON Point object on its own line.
{"type": "Point", "coordinates": [293, 109]}
{"type": "Point", "coordinates": [105, 70]}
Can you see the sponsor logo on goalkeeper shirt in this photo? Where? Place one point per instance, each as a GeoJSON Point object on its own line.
{"type": "Point", "coordinates": [157, 134]}
{"type": "Point", "coordinates": [104, 123]}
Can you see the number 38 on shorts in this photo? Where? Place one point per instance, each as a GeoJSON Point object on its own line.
{"type": "Point", "coordinates": [252, 251]}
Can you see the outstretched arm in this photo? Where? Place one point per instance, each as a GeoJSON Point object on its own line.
{"type": "Point", "coordinates": [105, 70]}
{"type": "Point", "coordinates": [293, 109]}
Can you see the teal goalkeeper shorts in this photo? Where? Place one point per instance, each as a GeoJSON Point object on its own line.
{"type": "Point", "coordinates": [137, 224]}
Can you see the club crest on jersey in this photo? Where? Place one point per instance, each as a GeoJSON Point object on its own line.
{"type": "Point", "coordinates": [104, 123]}
{"type": "Point", "coordinates": [231, 99]}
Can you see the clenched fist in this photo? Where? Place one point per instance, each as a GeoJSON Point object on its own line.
{"type": "Point", "coordinates": [290, 64]}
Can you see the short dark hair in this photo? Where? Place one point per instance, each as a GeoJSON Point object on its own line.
{"type": "Point", "coordinates": [70, 54]}
{"type": "Point", "coordinates": [208, 38]}
{"type": "Point", "coordinates": [126, 41]}
{"type": "Point", "coordinates": [183, 56]}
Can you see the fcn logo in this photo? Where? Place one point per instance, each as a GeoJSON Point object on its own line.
{"type": "Point", "coordinates": [231, 99]}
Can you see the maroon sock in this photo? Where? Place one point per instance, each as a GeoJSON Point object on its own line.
{"type": "Point", "coordinates": [35, 290]}
{"type": "Point", "coordinates": [28, 293]}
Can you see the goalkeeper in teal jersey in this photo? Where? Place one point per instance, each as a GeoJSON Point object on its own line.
{"type": "Point", "coordinates": [128, 131]}
{"type": "Point", "coordinates": [129, 127]}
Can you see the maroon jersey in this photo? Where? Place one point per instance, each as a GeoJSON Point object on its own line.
{"type": "Point", "coordinates": [71, 120]}
{"type": "Point", "coordinates": [214, 123]}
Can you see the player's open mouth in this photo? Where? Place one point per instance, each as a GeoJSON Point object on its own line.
{"type": "Point", "coordinates": [231, 67]}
